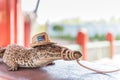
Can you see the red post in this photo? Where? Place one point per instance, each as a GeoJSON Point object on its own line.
{"type": "Point", "coordinates": [27, 25]}
{"type": "Point", "coordinates": [4, 22]}
{"type": "Point", "coordinates": [82, 40]}
{"type": "Point", "coordinates": [110, 38]}
{"type": "Point", "coordinates": [13, 20]}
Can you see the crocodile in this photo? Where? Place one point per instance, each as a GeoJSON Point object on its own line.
{"type": "Point", "coordinates": [15, 56]}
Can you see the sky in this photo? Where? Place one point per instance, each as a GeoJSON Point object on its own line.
{"type": "Point", "coordinates": [55, 10]}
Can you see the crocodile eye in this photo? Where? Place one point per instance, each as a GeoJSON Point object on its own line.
{"type": "Point", "coordinates": [40, 38]}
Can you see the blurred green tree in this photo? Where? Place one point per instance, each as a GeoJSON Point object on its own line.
{"type": "Point", "coordinates": [58, 28]}
{"type": "Point", "coordinates": [117, 37]}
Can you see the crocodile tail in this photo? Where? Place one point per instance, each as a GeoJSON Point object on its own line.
{"type": "Point", "coordinates": [2, 50]}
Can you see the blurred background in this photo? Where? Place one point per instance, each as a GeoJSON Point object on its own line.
{"type": "Point", "coordinates": [91, 26]}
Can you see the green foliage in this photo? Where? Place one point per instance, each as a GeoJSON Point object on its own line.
{"type": "Point", "coordinates": [65, 37]}
{"type": "Point", "coordinates": [102, 37]}
{"type": "Point", "coordinates": [117, 37]}
{"type": "Point", "coordinates": [91, 38]}
{"type": "Point", "coordinates": [97, 37]}
{"type": "Point", "coordinates": [58, 28]}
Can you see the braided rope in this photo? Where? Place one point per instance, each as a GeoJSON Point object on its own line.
{"type": "Point", "coordinates": [97, 71]}
{"type": "Point", "coordinates": [69, 55]}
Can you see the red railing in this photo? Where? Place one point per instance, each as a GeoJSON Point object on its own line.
{"type": "Point", "coordinates": [82, 40]}
{"type": "Point", "coordinates": [13, 28]}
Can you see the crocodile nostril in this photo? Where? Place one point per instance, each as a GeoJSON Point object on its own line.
{"type": "Point", "coordinates": [77, 54]}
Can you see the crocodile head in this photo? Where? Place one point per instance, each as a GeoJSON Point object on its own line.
{"type": "Point", "coordinates": [56, 52]}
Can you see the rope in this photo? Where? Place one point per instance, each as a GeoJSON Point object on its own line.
{"type": "Point", "coordinates": [97, 71]}
{"type": "Point", "coordinates": [67, 54]}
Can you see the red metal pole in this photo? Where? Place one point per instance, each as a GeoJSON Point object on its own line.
{"type": "Point", "coordinates": [4, 22]}
{"type": "Point", "coordinates": [20, 24]}
{"type": "Point", "coordinates": [110, 38]}
{"type": "Point", "coordinates": [27, 25]}
{"type": "Point", "coordinates": [82, 40]}
{"type": "Point", "coordinates": [13, 22]}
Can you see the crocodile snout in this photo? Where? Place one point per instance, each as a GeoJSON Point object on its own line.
{"type": "Point", "coordinates": [71, 55]}
{"type": "Point", "coordinates": [77, 54]}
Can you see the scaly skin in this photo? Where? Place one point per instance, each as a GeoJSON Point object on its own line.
{"type": "Point", "coordinates": [18, 56]}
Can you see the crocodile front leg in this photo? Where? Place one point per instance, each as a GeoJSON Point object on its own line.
{"type": "Point", "coordinates": [13, 66]}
